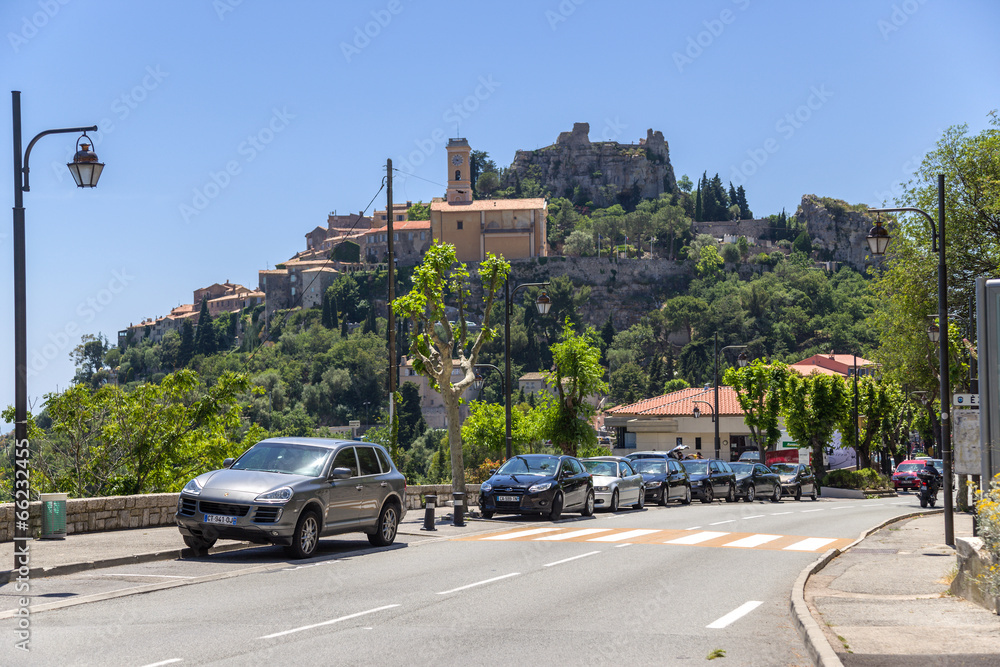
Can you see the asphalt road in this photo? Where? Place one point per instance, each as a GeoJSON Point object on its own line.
{"type": "Point", "coordinates": [659, 586]}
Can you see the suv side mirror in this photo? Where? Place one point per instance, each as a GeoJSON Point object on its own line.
{"type": "Point", "coordinates": [228, 463]}
{"type": "Point", "coordinates": [340, 473]}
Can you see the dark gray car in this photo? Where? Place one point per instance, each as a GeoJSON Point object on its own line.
{"type": "Point", "coordinates": [291, 492]}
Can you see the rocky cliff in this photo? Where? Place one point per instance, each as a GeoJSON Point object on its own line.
{"type": "Point", "coordinates": [603, 172]}
{"type": "Point", "coordinates": [837, 230]}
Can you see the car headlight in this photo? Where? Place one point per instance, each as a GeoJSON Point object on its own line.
{"type": "Point", "coordinates": [486, 487]}
{"type": "Point", "coordinates": [193, 487]}
{"type": "Point", "coordinates": [602, 489]}
{"type": "Point", "coordinates": [653, 485]}
{"type": "Point", "coordinates": [696, 482]}
{"type": "Point", "coordinates": [282, 495]}
{"type": "Point", "coordinates": [538, 488]}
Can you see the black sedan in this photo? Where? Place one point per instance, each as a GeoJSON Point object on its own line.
{"type": "Point", "coordinates": [796, 479]}
{"type": "Point", "coordinates": [538, 484]}
{"type": "Point", "coordinates": [711, 478]}
{"type": "Point", "coordinates": [754, 480]}
{"type": "Point", "coordinates": [665, 480]}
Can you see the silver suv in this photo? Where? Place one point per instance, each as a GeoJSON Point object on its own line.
{"type": "Point", "coordinates": [292, 491]}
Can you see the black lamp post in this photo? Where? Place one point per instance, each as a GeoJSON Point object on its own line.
{"type": "Point", "coordinates": [543, 303]}
{"type": "Point", "coordinates": [86, 171]}
{"type": "Point", "coordinates": [480, 380]}
{"type": "Point", "coordinates": [878, 240]}
{"type": "Point", "coordinates": [742, 360]}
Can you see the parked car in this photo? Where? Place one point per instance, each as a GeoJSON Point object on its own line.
{"type": "Point", "coordinates": [750, 455]}
{"type": "Point", "coordinates": [711, 478]}
{"type": "Point", "coordinates": [293, 491]}
{"type": "Point", "coordinates": [665, 480]}
{"type": "Point", "coordinates": [939, 464]}
{"type": "Point", "coordinates": [616, 483]}
{"type": "Point", "coordinates": [756, 480]}
{"type": "Point", "coordinates": [538, 484]}
{"type": "Point", "coordinates": [796, 479]}
{"type": "Point", "coordinates": [652, 454]}
{"type": "Point", "coordinates": [905, 475]}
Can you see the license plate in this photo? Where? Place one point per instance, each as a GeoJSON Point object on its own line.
{"type": "Point", "coordinates": [508, 499]}
{"type": "Point", "coordinates": [218, 518]}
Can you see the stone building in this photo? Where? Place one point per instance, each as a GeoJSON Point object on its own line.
{"type": "Point", "coordinates": [431, 404]}
{"type": "Point", "coordinates": [410, 238]}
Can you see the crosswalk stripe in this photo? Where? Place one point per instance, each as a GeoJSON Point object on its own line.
{"type": "Point", "coordinates": [521, 533]}
{"type": "Point", "coordinates": [572, 534]}
{"type": "Point", "coordinates": [621, 537]}
{"type": "Point", "coordinates": [752, 541]}
{"type": "Point", "coordinates": [810, 544]}
{"type": "Point", "coordinates": [697, 538]}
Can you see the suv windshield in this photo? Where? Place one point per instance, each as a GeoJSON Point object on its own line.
{"type": "Point", "coordinates": [536, 465]}
{"type": "Point", "coordinates": [284, 458]}
{"type": "Point", "coordinates": [650, 466]}
{"type": "Point", "coordinates": [784, 468]}
{"type": "Point", "coordinates": [741, 467]}
{"type": "Point", "coordinates": [695, 467]}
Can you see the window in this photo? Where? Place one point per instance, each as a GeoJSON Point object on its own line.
{"type": "Point", "coordinates": [459, 224]}
{"type": "Point", "coordinates": [399, 217]}
{"type": "Point", "coordinates": [383, 217]}
{"type": "Point", "coordinates": [367, 461]}
{"type": "Point", "coordinates": [680, 441]}
{"type": "Point", "coordinates": [384, 460]}
{"type": "Point", "coordinates": [345, 459]}
{"type": "Point", "coordinates": [395, 236]}
{"type": "Point", "coordinates": [422, 235]}
{"type": "Point", "coordinates": [291, 278]}
{"type": "Point", "coordinates": [293, 291]}
{"type": "Point", "coordinates": [458, 175]}
{"type": "Point", "coordinates": [409, 236]}
{"type": "Point", "coordinates": [697, 443]}
{"type": "Point", "coordinates": [627, 469]}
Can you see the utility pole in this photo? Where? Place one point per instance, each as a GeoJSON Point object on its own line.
{"type": "Point", "coordinates": [391, 325]}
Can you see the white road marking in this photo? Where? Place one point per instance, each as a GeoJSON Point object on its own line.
{"type": "Point", "coordinates": [164, 662]}
{"type": "Point", "coordinates": [697, 538]}
{"type": "Point", "coordinates": [480, 583]}
{"type": "Point", "coordinates": [330, 622]}
{"type": "Point", "coordinates": [752, 541]}
{"type": "Point", "coordinates": [694, 528]}
{"type": "Point", "coordinates": [753, 516]}
{"type": "Point", "coordinates": [842, 507]}
{"type": "Point", "coordinates": [521, 533]}
{"type": "Point", "coordinates": [734, 615]}
{"type": "Point", "coordinates": [619, 546]}
{"type": "Point", "coordinates": [718, 523]}
{"type": "Point", "coordinates": [779, 513]}
{"type": "Point", "coordinates": [566, 560]}
{"type": "Point", "coordinates": [809, 544]}
{"type": "Point", "coordinates": [621, 537]}
{"type": "Point", "coordinates": [572, 534]}
{"type": "Point", "coordinates": [163, 576]}
{"type": "Point", "coordinates": [807, 511]}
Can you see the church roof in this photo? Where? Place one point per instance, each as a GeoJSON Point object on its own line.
{"type": "Point", "coordinates": [489, 205]}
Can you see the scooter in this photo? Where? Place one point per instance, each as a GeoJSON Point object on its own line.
{"type": "Point", "coordinates": [928, 489]}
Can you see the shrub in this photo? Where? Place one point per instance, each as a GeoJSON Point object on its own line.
{"type": "Point", "coordinates": [864, 479]}
{"type": "Point", "coordinates": [483, 472]}
{"type": "Point", "coordinates": [988, 514]}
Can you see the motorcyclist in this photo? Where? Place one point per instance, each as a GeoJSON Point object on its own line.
{"type": "Point", "coordinates": [929, 474]}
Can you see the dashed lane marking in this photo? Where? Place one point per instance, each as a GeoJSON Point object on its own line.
{"type": "Point", "coordinates": [570, 535]}
{"type": "Point", "coordinates": [697, 538]}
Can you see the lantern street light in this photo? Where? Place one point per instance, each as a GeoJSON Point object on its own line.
{"type": "Point", "coordinates": [742, 360]}
{"type": "Point", "coordinates": [86, 172]}
{"type": "Point", "coordinates": [878, 241]}
{"type": "Point", "coordinates": [543, 303]}
{"type": "Point", "coordinates": [480, 380]}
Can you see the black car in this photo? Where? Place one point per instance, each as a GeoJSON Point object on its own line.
{"type": "Point", "coordinates": [538, 484]}
{"type": "Point", "coordinates": [755, 480]}
{"type": "Point", "coordinates": [665, 480]}
{"type": "Point", "coordinates": [711, 478]}
{"type": "Point", "coordinates": [796, 479]}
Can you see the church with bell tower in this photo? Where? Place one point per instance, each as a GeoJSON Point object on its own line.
{"type": "Point", "coordinates": [513, 228]}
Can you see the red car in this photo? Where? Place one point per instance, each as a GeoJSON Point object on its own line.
{"type": "Point", "coordinates": [905, 475]}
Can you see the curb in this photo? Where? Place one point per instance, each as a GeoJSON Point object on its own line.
{"type": "Point", "coordinates": [72, 568]}
{"type": "Point", "coordinates": [819, 647]}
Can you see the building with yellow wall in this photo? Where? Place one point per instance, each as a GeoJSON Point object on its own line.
{"type": "Point", "coordinates": [514, 228]}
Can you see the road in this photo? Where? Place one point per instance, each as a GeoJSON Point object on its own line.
{"type": "Point", "coordinates": [657, 586]}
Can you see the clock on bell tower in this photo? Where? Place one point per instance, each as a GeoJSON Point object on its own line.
{"type": "Point", "coordinates": [459, 183]}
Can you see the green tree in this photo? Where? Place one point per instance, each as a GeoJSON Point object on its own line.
{"type": "Point", "coordinates": [419, 211]}
{"type": "Point", "coordinates": [411, 417]}
{"type": "Point", "coordinates": [760, 388]}
{"type": "Point", "coordinates": [436, 280]}
{"type": "Point", "coordinates": [709, 262]}
{"type": "Point", "coordinates": [628, 384]}
{"type": "Point", "coordinates": [89, 358]}
{"type": "Point", "coordinates": [187, 346]}
{"type": "Point", "coordinates": [578, 375]}
{"type": "Point", "coordinates": [485, 432]}
{"type": "Point", "coordinates": [578, 244]}
{"type": "Point", "coordinates": [480, 163]}
{"type": "Point", "coordinates": [684, 184]}
{"type": "Point", "coordinates": [205, 342]}
{"type": "Point", "coordinates": [670, 386]}
{"type": "Point", "coordinates": [813, 408]}
{"type": "Point", "coordinates": [487, 183]}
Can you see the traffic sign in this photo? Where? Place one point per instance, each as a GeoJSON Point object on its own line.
{"type": "Point", "coordinates": [354, 423]}
{"type": "Point", "coordinates": [965, 400]}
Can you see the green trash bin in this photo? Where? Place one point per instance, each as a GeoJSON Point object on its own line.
{"type": "Point", "coordinates": [54, 516]}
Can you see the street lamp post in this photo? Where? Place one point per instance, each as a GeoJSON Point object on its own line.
{"type": "Point", "coordinates": [543, 303]}
{"type": "Point", "coordinates": [86, 172]}
{"type": "Point", "coordinates": [742, 360]}
{"type": "Point", "coordinates": [878, 240]}
{"type": "Point", "coordinates": [480, 380]}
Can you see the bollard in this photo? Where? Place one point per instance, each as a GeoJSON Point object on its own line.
{"type": "Point", "coordinates": [458, 499]}
{"type": "Point", "coordinates": [430, 500]}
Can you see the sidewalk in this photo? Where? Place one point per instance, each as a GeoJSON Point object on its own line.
{"type": "Point", "coordinates": [885, 602]}
{"type": "Point", "coordinates": [88, 551]}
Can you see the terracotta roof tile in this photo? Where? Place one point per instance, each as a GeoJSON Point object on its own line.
{"type": "Point", "coordinates": [489, 205]}
{"type": "Point", "coordinates": [681, 403]}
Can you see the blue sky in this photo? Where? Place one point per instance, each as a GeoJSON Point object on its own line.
{"type": "Point", "coordinates": [231, 128]}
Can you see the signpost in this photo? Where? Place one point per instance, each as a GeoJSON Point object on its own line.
{"type": "Point", "coordinates": [965, 400]}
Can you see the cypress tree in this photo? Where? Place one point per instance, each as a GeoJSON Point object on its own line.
{"type": "Point", "coordinates": [699, 212]}
{"type": "Point", "coordinates": [344, 331]}
{"type": "Point", "coordinates": [334, 323]}
{"type": "Point", "coordinates": [205, 336]}
{"type": "Point", "coordinates": [656, 381]}
{"type": "Point", "coordinates": [186, 350]}
{"type": "Point", "coordinates": [325, 317]}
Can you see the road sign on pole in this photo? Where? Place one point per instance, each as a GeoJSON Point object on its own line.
{"type": "Point", "coordinates": [965, 400]}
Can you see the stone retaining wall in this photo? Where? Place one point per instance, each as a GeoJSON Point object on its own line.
{"type": "Point", "coordinates": [93, 515]}
{"type": "Point", "coordinates": [973, 564]}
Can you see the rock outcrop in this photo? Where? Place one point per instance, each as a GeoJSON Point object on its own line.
{"type": "Point", "coordinates": [603, 172]}
{"type": "Point", "coordinates": [837, 230]}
